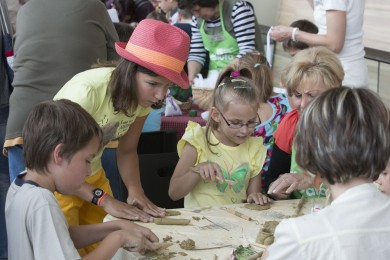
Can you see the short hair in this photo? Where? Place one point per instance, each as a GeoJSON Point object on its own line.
{"type": "Point", "coordinates": [155, 15]}
{"type": "Point", "coordinates": [343, 134]}
{"type": "Point", "coordinates": [317, 64]}
{"type": "Point", "coordinates": [189, 4]}
{"type": "Point", "coordinates": [185, 13]}
{"type": "Point", "coordinates": [51, 123]}
{"type": "Point", "coordinates": [261, 73]}
{"type": "Point", "coordinates": [124, 31]}
{"type": "Point", "coordinates": [304, 26]}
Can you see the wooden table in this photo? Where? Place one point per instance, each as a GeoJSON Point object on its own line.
{"type": "Point", "coordinates": [216, 229]}
{"type": "Point", "coordinates": [179, 123]}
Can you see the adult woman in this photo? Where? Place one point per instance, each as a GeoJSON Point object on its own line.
{"type": "Point", "coordinates": [340, 26]}
{"type": "Point", "coordinates": [311, 72]}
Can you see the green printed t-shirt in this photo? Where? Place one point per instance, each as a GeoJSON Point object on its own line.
{"type": "Point", "coordinates": [310, 192]}
{"type": "Point", "coordinates": [89, 89]}
{"type": "Point", "coordinates": [239, 163]}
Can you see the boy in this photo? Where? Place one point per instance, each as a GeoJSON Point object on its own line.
{"type": "Point", "coordinates": [60, 140]}
{"type": "Point", "coordinates": [339, 138]}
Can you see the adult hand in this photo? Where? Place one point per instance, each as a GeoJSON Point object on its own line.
{"type": "Point", "coordinates": [120, 209]}
{"type": "Point", "coordinates": [280, 33]}
{"type": "Point", "coordinates": [258, 198]}
{"type": "Point", "coordinates": [139, 200]}
{"type": "Point", "coordinates": [282, 187]}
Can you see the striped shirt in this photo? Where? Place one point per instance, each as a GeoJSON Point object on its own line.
{"type": "Point", "coordinates": [243, 20]}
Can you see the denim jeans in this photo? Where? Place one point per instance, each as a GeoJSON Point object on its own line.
{"type": "Point", "coordinates": [15, 161]}
{"type": "Point", "coordinates": [4, 183]}
{"type": "Point", "coordinates": [112, 173]}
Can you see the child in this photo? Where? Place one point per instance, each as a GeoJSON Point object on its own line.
{"type": "Point", "coordinates": [292, 47]}
{"type": "Point", "coordinates": [120, 99]}
{"type": "Point", "coordinates": [60, 141]}
{"type": "Point", "coordinates": [383, 180]}
{"type": "Point", "coordinates": [339, 139]}
{"type": "Point", "coordinates": [220, 163]}
{"type": "Point", "coordinates": [272, 106]}
{"type": "Point", "coordinates": [310, 73]}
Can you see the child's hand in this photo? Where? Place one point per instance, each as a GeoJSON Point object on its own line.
{"type": "Point", "coordinates": [139, 240]}
{"type": "Point", "coordinates": [209, 171]}
{"type": "Point", "coordinates": [258, 198]}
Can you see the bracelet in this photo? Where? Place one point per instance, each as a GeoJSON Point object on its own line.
{"type": "Point", "coordinates": [101, 198]}
{"type": "Point", "coordinates": [293, 34]}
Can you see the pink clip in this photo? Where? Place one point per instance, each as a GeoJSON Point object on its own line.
{"type": "Point", "coordinates": [235, 74]}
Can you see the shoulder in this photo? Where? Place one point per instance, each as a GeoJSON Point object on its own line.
{"type": "Point", "coordinates": [289, 121]}
{"type": "Point", "coordinates": [194, 135]}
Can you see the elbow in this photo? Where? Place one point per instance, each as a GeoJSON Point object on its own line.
{"type": "Point", "coordinates": [336, 47]}
{"type": "Point", "coordinates": [173, 195]}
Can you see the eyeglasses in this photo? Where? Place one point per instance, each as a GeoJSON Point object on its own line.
{"type": "Point", "coordinates": [238, 125]}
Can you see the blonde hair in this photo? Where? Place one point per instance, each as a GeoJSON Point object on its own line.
{"type": "Point", "coordinates": [317, 64]}
{"type": "Point", "coordinates": [230, 89]}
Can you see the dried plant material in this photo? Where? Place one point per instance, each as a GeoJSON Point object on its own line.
{"type": "Point", "coordinates": [169, 213]}
{"type": "Point", "coordinates": [255, 256]}
{"type": "Point", "coordinates": [187, 244]}
{"type": "Point", "coordinates": [243, 252]}
{"type": "Point", "coordinates": [163, 245]}
{"type": "Point", "coordinates": [167, 238]}
{"type": "Point", "coordinates": [171, 221]}
{"type": "Point", "coordinates": [196, 218]}
{"type": "Point", "coordinates": [253, 206]}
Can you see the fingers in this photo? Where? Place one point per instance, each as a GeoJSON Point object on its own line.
{"type": "Point", "coordinates": [258, 198]}
{"type": "Point", "coordinates": [142, 202]}
{"type": "Point", "coordinates": [211, 171]}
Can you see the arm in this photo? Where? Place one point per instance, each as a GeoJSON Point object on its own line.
{"type": "Point", "coordinates": [333, 39]}
{"type": "Point", "coordinates": [128, 166]}
{"type": "Point", "coordinates": [185, 176]}
{"type": "Point", "coordinates": [243, 20]}
{"type": "Point", "coordinates": [183, 179]}
{"type": "Point", "coordinates": [85, 235]}
{"type": "Point", "coordinates": [197, 55]}
{"type": "Point", "coordinates": [194, 68]}
{"type": "Point", "coordinates": [280, 163]}
{"type": "Point", "coordinates": [254, 192]}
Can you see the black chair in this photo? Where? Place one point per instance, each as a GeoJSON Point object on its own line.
{"type": "Point", "coordinates": [157, 161]}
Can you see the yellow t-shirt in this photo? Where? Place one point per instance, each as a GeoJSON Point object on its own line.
{"type": "Point", "coordinates": [89, 89]}
{"type": "Point", "coordinates": [239, 163]}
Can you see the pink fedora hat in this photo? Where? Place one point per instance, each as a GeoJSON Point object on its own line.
{"type": "Point", "coordinates": [160, 47]}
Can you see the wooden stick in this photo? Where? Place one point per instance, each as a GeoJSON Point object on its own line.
{"type": "Point", "coordinates": [171, 221]}
{"type": "Point", "coordinates": [300, 204]}
{"type": "Point", "coordinates": [238, 214]}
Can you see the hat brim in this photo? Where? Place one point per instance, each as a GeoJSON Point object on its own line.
{"type": "Point", "coordinates": [181, 79]}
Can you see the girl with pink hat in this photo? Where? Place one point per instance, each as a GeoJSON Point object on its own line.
{"type": "Point", "coordinates": [120, 99]}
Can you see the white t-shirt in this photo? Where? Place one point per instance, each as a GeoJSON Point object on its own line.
{"type": "Point", "coordinates": [352, 54]}
{"type": "Point", "coordinates": [36, 226]}
{"type": "Point", "coordinates": [355, 226]}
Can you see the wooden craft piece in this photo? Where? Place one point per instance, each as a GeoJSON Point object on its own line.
{"type": "Point", "coordinates": [171, 221]}
{"type": "Point", "coordinates": [169, 213]}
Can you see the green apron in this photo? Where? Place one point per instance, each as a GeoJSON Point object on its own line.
{"type": "Point", "coordinates": [310, 192]}
{"type": "Point", "coordinates": [222, 47]}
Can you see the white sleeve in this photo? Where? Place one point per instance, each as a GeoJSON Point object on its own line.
{"type": "Point", "coordinates": [286, 244]}
{"type": "Point", "coordinates": [49, 234]}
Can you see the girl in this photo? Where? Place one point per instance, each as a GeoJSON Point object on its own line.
{"type": "Point", "coordinates": [310, 73]}
{"type": "Point", "coordinates": [272, 106]}
{"type": "Point", "coordinates": [220, 163]}
{"type": "Point", "coordinates": [119, 99]}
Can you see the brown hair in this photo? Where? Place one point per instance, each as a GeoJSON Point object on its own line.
{"type": "Point", "coordinates": [304, 26]}
{"type": "Point", "coordinates": [52, 123]}
{"type": "Point", "coordinates": [344, 134]}
{"type": "Point", "coordinates": [122, 86]}
{"type": "Point", "coordinates": [261, 73]}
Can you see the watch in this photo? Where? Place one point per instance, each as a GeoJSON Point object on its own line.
{"type": "Point", "coordinates": [98, 194]}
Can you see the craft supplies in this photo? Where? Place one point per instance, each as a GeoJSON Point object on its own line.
{"type": "Point", "coordinates": [171, 221]}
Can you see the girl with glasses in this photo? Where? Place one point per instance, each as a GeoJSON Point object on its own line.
{"type": "Point", "coordinates": [220, 163]}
